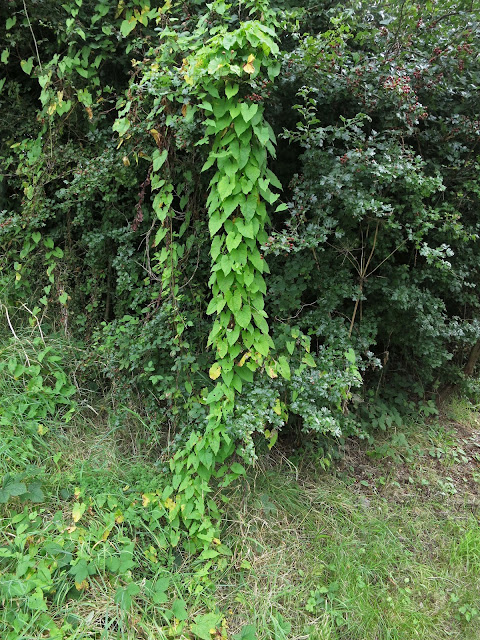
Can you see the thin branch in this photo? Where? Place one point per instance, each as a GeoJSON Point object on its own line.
{"type": "Point", "coordinates": [33, 36]}
{"type": "Point", "coordinates": [385, 259]}
{"type": "Point", "coordinates": [372, 251]}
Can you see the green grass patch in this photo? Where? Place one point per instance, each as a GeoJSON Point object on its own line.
{"type": "Point", "coordinates": [384, 546]}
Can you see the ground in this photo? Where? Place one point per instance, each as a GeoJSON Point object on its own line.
{"type": "Point", "coordinates": [382, 545]}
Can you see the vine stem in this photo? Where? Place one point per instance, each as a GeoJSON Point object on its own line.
{"type": "Point", "coordinates": [33, 36]}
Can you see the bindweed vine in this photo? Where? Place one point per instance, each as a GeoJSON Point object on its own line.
{"type": "Point", "coordinates": [218, 68]}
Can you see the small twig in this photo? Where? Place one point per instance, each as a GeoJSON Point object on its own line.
{"type": "Point", "coordinates": [10, 324]}
{"type": "Point", "coordinates": [307, 304]}
{"type": "Point", "coordinates": [15, 335]}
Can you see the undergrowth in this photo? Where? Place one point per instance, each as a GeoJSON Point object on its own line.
{"type": "Point", "coordinates": [385, 544]}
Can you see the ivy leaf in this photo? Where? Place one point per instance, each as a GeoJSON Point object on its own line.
{"type": "Point", "coordinates": [262, 345]}
{"type": "Point", "coordinates": [27, 65]}
{"type": "Point", "coordinates": [159, 159]}
{"type": "Point", "coordinates": [246, 229]}
{"type": "Point", "coordinates": [233, 240]}
{"type": "Point", "coordinates": [123, 595]}
{"type": "Point", "coordinates": [284, 367]}
{"type": "Point", "coordinates": [232, 335]}
{"type": "Point", "coordinates": [235, 303]}
{"type": "Point", "coordinates": [10, 22]}
{"type": "Point", "coordinates": [34, 493]}
{"type": "Point", "coordinates": [82, 72]}
{"type": "Point", "coordinates": [80, 571]}
{"type": "Point", "coordinates": [241, 126]}
{"type": "Point", "coordinates": [214, 223]}
{"type": "Point", "coordinates": [214, 396]}
{"type": "Point", "coordinates": [248, 632]}
{"type": "Point", "coordinates": [249, 68]}
{"type": "Point", "coordinates": [225, 187]}
{"type": "Point", "coordinates": [250, 207]}
{"type": "Point", "coordinates": [36, 601]}
{"type": "Point", "coordinates": [245, 373]}
{"type": "Point", "coordinates": [121, 125]}
{"type": "Point", "coordinates": [350, 356]}
{"type": "Point", "coordinates": [231, 90]}
{"type": "Point", "coordinates": [248, 110]}
{"type": "Point", "coordinates": [205, 626]}
{"type": "Point", "coordinates": [252, 172]}
{"type": "Point", "coordinates": [216, 247]}
{"type": "Point", "coordinates": [243, 316]}
{"type": "Point", "coordinates": [237, 383]}
{"type": "Point", "coordinates": [232, 203]}
{"type": "Point", "coordinates": [237, 468]}
{"type": "Point", "coordinates": [178, 609]}
{"type": "Point", "coordinates": [262, 134]}
{"type": "Point", "coordinates": [220, 107]}
{"type": "Point", "coordinates": [128, 26]}
{"type": "Point", "coordinates": [308, 359]}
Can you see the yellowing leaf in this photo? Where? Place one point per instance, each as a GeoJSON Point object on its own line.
{"type": "Point", "coordinates": [156, 135]}
{"type": "Point", "coordinates": [215, 371]}
{"type": "Point", "coordinates": [184, 110]}
{"type": "Point", "coordinates": [145, 500]}
{"type": "Point", "coordinates": [52, 108]}
{"type": "Point", "coordinates": [216, 541]}
{"type": "Point", "coordinates": [245, 357]}
{"type": "Point", "coordinates": [250, 58]}
{"type": "Point", "coordinates": [81, 585]}
{"type": "Point", "coordinates": [271, 372]}
{"type": "Point", "coordinates": [78, 510]}
{"type": "Point", "coordinates": [248, 68]}
{"type": "Point", "coordinates": [120, 8]}
{"type": "Point", "coordinates": [42, 430]}
{"type": "Point", "coordinates": [89, 112]}
{"type": "Point", "coordinates": [277, 408]}
{"type": "Point", "coordinates": [170, 504]}
{"type": "Point", "coordinates": [126, 161]}
{"type": "Point", "coordinates": [105, 535]}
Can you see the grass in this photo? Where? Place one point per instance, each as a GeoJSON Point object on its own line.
{"type": "Point", "coordinates": [384, 546]}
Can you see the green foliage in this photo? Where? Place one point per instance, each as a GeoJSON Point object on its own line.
{"type": "Point", "coordinates": [140, 213]}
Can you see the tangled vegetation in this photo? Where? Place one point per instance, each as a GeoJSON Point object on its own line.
{"type": "Point", "coordinates": [226, 228]}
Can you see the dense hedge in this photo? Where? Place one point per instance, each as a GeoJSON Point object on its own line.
{"type": "Point", "coordinates": [374, 261]}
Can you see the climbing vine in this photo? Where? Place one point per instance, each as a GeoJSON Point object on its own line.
{"type": "Point", "coordinates": [217, 73]}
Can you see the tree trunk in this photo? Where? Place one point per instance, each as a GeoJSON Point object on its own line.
{"type": "Point", "coordinates": [472, 359]}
